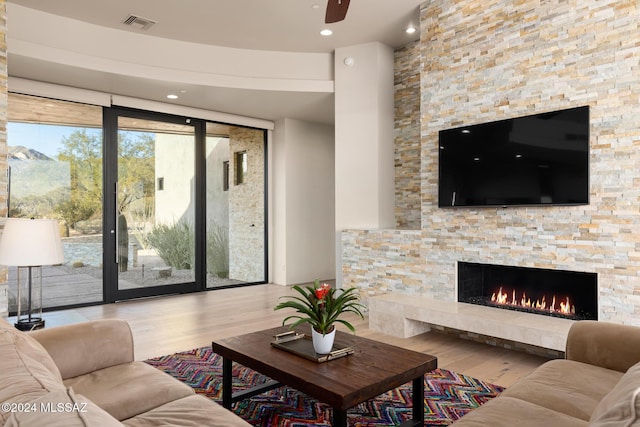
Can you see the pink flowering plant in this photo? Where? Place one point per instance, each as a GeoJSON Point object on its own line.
{"type": "Point", "coordinates": [321, 306]}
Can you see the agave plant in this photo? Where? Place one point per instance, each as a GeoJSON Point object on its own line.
{"type": "Point", "coordinates": [321, 306]}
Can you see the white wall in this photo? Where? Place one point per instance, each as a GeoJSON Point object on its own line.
{"type": "Point", "coordinates": [119, 52]}
{"type": "Point", "coordinates": [278, 199]}
{"type": "Point", "coordinates": [364, 139]}
{"type": "Point", "coordinates": [175, 163]}
{"type": "Point", "coordinates": [217, 152]}
{"type": "Point", "coordinates": [174, 156]}
{"type": "Point", "coordinates": [304, 202]}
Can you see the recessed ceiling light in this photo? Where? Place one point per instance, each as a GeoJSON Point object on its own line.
{"type": "Point", "coordinates": [411, 29]}
{"type": "Point", "coordinates": [172, 96]}
{"type": "Point", "coordinates": [326, 32]}
{"type": "Point", "coordinates": [465, 131]}
{"type": "Point", "coordinates": [315, 6]}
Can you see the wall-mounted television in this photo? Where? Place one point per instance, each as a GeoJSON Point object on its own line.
{"type": "Point", "coordinates": [542, 159]}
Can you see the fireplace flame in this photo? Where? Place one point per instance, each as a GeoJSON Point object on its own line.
{"type": "Point", "coordinates": [502, 298]}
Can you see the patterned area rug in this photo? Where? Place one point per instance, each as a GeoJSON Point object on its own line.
{"type": "Point", "coordinates": [448, 395]}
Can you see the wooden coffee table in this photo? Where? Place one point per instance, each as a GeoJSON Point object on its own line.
{"type": "Point", "coordinates": [372, 369]}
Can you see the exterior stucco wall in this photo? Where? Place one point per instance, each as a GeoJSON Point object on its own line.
{"type": "Point", "coordinates": [246, 207]}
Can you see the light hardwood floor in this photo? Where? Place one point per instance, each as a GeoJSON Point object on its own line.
{"type": "Point", "coordinates": [170, 324]}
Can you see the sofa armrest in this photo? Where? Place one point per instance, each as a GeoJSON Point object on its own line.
{"type": "Point", "coordinates": [85, 347]}
{"type": "Point", "coordinates": [604, 344]}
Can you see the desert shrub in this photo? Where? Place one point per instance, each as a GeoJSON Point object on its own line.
{"type": "Point", "coordinates": [174, 244]}
{"type": "Point", "coordinates": [218, 250]}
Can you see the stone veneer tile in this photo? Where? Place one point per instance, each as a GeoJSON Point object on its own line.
{"type": "Point", "coordinates": [488, 60]}
{"type": "Point", "coordinates": [407, 136]}
{"type": "Point", "coordinates": [246, 207]}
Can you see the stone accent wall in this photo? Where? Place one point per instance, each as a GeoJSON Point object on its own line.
{"type": "Point", "coordinates": [246, 207]}
{"type": "Point", "coordinates": [498, 342]}
{"type": "Point", "coordinates": [407, 135]}
{"type": "Point", "coordinates": [490, 60]}
{"type": "Point", "coordinates": [381, 261]}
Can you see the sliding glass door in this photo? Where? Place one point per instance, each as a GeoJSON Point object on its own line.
{"type": "Point", "coordinates": [54, 171]}
{"type": "Point", "coordinates": [235, 205]}
{"type": "Point", "coordinates": [148, 203]}
{"type": "Point", "coordinates": [151, 203]}
{"type": "Point", "coordinates": [185, 205]}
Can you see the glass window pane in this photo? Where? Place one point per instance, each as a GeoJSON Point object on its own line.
{"type": "Point", "coordinates": [156, 203]}
{"type": "Point", "coordinates": [55, 171]}
{"type": "Point", "coordinates": [235, 213]}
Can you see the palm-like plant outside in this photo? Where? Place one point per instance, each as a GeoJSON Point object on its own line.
{"type": "Point", "coordinates": [322, 306]}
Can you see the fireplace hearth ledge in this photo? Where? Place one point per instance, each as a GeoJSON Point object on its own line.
{"type": "Point", "coordinates": [409, 315]}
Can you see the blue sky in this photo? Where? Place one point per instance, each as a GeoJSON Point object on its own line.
{"type": "Point", "coordinates": [43, 138]}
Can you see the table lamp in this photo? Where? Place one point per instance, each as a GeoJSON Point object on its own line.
{"type": "Point", "coordinates": [28, 244]}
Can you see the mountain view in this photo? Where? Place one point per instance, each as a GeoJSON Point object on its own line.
{"type": "Point", "coordinates": [23, 153]}
{"type": "Point", "coordinates": [35, 174]}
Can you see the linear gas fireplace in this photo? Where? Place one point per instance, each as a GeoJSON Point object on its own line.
{"type": "Point", "coordinates": [560, 293]}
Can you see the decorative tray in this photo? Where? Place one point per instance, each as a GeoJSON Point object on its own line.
{"type": "Point", "coordinates": [301, 345]}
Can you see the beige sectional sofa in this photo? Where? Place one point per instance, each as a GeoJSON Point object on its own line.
{"type": "Point", "coordinates": [596, 385]}
{"type": "Point", "coordinates": [85, 375]}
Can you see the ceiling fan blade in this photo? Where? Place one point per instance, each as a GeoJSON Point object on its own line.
{"type": "Point", "coordinates": [336, 11]}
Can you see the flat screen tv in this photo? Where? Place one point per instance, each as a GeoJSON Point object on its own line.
{"type": "Point", "coordinates": [542, 159]}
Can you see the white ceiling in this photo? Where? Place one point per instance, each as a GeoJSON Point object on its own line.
{"type": "Point", "coordinates": [273, 25]}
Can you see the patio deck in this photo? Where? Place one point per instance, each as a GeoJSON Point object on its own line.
{"type": "Point", "coordinates": [65, 285]}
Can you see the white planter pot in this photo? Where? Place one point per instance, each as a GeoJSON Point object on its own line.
{"type": "Point", "coordinates": [323, 344]}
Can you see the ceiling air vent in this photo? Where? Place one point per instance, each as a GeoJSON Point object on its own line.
{"type": "Point", "coordinates": [138, 22]}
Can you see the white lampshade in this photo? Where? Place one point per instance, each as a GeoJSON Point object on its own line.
{"type": "Point", "coordinates": [30, 242]}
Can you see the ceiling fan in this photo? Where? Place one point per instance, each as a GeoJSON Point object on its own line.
{"type": "Point", "coordinates": [336, 11]}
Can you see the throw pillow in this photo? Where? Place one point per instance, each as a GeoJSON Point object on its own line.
{"type": "Point", "coordinates": [621, 406]}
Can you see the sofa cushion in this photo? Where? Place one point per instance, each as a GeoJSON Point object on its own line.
{"type": "Point", "coordinates": [573, 388]}
{"type": "Point", "coordinates": [27, 372]}
{"type": "Point", "coordinates": [189, 411]}
{"type": "Point", "coordinates": [129, 389]}
{"type": "Point", "coordinates": [62, 409]}
{"type": "Point", "coordinates": [505, 411]}
{"type": "Point", "coordinates": [621, 407]}
{"type": "Point", "coordinates": [31, 347]}
{"type": "Point", "coordinates": [84, 347]}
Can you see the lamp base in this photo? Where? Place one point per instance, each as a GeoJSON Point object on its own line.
{"type": "Point", "coordinates": [30, 325]}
